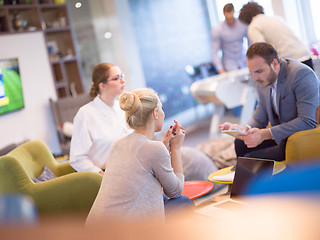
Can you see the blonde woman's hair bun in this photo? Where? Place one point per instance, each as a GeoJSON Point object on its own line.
{"type": "Point", "coordinates": [129, 102]}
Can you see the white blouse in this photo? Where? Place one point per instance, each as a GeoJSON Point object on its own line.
{"type": "Point", "coordinates": [96, 127]}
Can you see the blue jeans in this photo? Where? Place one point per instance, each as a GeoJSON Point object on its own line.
{"type": "Point", "coordinates": [17, 209]}
{"type": "Point", "coordinates": [174, 204]}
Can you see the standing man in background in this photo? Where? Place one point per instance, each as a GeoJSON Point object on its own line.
{"type": "Point", "coordinates": [228, 37]}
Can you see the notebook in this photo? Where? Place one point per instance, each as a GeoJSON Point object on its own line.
{"type": "Point", "coordinates": [246, 170]}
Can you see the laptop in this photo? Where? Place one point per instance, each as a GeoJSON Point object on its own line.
{"type": "Point", "coordinates": [246, 170]}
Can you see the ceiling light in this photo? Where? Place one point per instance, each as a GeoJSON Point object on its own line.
{"type": "Point", "coordinates": [78, 5]}
{"type": "Point", "coordinates": [108, 35]}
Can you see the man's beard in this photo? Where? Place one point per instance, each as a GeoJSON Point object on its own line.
{"type": "Point", "coordinates": [272, 77]}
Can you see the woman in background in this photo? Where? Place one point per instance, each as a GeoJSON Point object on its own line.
{"type": "Point", "coordinates": [138, 168]}
{"type": "Point", "coordinates": [98, 124]}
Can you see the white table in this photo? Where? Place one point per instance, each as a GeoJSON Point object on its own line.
{"type": "Point", "coordinates": [230, 90]}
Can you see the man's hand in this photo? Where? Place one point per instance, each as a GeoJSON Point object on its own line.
{"type": "Point", "coordinates": [231, 126]}
{"type": "Point", "coordinates": [255, 136]}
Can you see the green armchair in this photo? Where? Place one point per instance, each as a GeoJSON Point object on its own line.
{"type": "Point", "coordinates": [70, 192]}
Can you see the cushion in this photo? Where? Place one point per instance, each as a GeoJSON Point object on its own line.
{"type": "Point", "coordinates": [46, 174]}
{"type": "Point", "coordinates": [67, 128]}
{"type": "Point", "coordinates": [221, 150]}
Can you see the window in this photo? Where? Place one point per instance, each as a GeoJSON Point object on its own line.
{"type": "Point", "coordinates": [315, 6]}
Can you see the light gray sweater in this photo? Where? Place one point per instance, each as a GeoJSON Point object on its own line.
{"type": "Point", "coordinates": [136, 171]}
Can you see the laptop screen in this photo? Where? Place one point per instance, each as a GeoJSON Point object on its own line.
{"type": "Point", "coordinates": [246, 170]}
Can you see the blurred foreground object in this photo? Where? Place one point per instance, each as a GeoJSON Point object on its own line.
{"type": "Point", "coordinates": [17, 209]}
{"type": "Point", "coordinates": [276, 218]}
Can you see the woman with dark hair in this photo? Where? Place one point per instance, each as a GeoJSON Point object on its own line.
{"type": "Point", "coordinates": [274, 31]}
{"type": "Point", "coordinates": [249, 11]}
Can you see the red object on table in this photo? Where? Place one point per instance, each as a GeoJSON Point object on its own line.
{"type": "Point", "coordinates": [195, 189]}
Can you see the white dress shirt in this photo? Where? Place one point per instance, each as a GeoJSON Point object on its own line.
{"type": "Point", "coordinates": [96, 127]}
{"type": "Point", "coordinates": [273, 88]}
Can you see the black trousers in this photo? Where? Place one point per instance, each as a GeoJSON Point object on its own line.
{"type": "Point", "coordinates": [268, 149]}
{"type": "Point", "coordinates": [309, 63]}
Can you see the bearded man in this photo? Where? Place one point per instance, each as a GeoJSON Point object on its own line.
{"type": "Point", "coordinates": [288, 101]}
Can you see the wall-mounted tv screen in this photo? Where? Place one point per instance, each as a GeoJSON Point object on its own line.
{"type": "Point", "coordinates": [11, 96]}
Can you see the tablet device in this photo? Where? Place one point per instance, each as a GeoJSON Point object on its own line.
{"type": "Point", "coordinates": [233, 133]}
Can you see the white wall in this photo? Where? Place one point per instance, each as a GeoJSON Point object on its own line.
{"type": "Point", "coordinates": [35, 120]}
{"type": "Point", "coordinates": [121, 49]}
{"type": "Point", "coordinates": [126, 40]}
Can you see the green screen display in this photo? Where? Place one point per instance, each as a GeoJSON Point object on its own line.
{"type": "Point", "coordinates": [11, 96]}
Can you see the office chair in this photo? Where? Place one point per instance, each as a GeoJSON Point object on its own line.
{"type": "Point", "coordinates": [63, 110]}
{"type": "Point", "coordinates": [210, 69]}
{"type": "Point", "coordinates": [193, 72]}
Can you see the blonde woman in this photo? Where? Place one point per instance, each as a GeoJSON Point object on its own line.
{"type": "Point", "coordinates": [139, 169]}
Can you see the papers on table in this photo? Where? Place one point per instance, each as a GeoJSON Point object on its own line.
{"type": "Point", "coordinates": [224, 178]}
